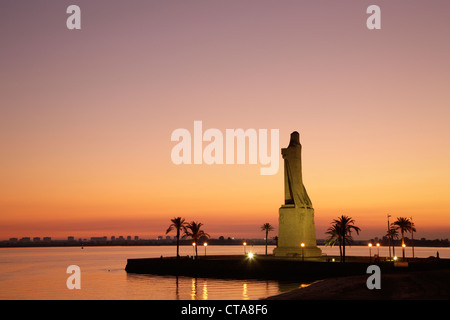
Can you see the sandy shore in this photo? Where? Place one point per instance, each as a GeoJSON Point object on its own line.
{"type": "Point", "coordinates": [421, 285]}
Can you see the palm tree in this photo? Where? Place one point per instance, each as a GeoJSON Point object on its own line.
{"type": "Point", "coordinates": [180, 225]}
{"type": "Point", "coordinates": [344, 226]}
{"type": "Point", "coordinates": [404, 225]}
{"type": "Point", "coordinates": [194, 231]}
{"type": "Point", "coordinates": [267, 227]}
{"type": "Point", "coordinates": [335, 237]}
{"type": "Point", "coordinates": [393, 235]}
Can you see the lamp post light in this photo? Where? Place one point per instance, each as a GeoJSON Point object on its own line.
{"type": "Point", "coordinates": [205, 244]}
{"type": "Point", "coordinates": [378, 250]}
{"type": "Point", "coordinates": [403, 250]}
{"type": "Point", "coordinates": [370, 252]}
{"type": "Point", "coordinates": [303, 252]}
{"type": "Point", "coordinates": [245, 247]}
{"type": "Point", "coordinates": [389, 236]}
{"type": "Point", "coordinates": [193, 249]}
{"type": "Point", "coordinates": [412, 235]}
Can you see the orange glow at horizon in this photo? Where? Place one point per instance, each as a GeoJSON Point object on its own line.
{"type": "Point", "coordinates": [86, 117]}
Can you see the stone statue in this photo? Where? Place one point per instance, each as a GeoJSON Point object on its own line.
{"type": "Point", "coordinates": [296, 230]}
{"type": "Point", "coordinates": [294, 190]}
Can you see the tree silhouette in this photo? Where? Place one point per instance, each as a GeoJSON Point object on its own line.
{"type": "Point", "coordinates": [267, 227]}
{"type": "Point", "coordinates": [193, 230]}
{"type": "Point", "coordinates": [343, 227]}
{"type": "Point", "coordinates": [404, 225]}
{"type": "Point", "coordinates": [393, 235]}
{"type": "Point", "coordinates": [180, 226]}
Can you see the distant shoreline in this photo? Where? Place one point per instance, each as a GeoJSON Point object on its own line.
{"type": "Point", "coordinates": [130, 243]}
{"type": "Point", "coordinates": [211, 242]}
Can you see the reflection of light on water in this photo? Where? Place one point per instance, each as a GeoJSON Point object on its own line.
{"type": "Point", "coordinates": [193, 289]}
{"type": "Point", "coordinates": [244, 291]}
{"type": "Point", "coordinates": [224, 289]}
{"type": "Point", "coordinates": [304, 285]}
{"type": "Point", "coordinates": [47, 264]}
{"type": "Point", "coordinates": [205, 291]}
{"type": "Point", "coordinates": [177, 293]}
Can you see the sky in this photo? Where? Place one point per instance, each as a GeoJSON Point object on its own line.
{"type": "Point", "coordinates": [86, 116]}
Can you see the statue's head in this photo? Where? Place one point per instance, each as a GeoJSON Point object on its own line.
{"type": "Point", "coordinates": [295, 139]}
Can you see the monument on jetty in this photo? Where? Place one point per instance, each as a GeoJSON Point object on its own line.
{"type": "Point", "coordinates": [296, 215]}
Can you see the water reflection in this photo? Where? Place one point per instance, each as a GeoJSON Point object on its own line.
{"type": "Point", "coordinates": [205, 291]}
{"type": "Point", "coordinates": [195, 295]}
{"type": "Point", "coordinates": [104, 277]}
{"type": "Point", "coordinates": [177, 291]}
{"type": "Point", "coordinates": [186, 288]}
{"type": "Point", "coordinates": [284, 286]}
{"type": "Point", "coordinates": [193, 289]}
{"type": "Point", "coordinates": [244, 291]}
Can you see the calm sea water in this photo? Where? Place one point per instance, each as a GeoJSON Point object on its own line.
{"type": "Point", "coordinates": [40, 273]}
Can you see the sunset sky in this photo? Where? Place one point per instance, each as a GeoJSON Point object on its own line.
{"type": "Point", "coordinates": [87, 115]}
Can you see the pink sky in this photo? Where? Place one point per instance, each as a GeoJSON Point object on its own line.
{"type": "Point", "coordinates": [87, 115]}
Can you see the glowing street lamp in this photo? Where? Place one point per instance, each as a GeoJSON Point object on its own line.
{"type": "Point", "coordinates": [389, 235]}
{"type": "Point", "coordinates": [245, 247]}
{"type": "Point", "coordinates": [193, 249]}
{"type": "Point", "coordinates": [205, 244]}
{"type": "Point", "coordinates": [303, 253]}
{"type": "Point", "coordinates": [370, 252]}
{"type": "Point", "coordinates": [378, 250]}
{"type": "Point", "coordinates": [412, 235]}
{"type": "Point", "coordinates": [403, 250]}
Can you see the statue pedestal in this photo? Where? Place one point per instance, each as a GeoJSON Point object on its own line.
{"type": "Point", "coordinates": [296, 226]}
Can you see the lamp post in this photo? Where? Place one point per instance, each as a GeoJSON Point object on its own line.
{"type": "Point", "coordinates": [205, 244]}
{"type": "Point", "coordinates": [245, 247]}
{"type": "Point", "coordinates": [389, 235]}
{"type": "Point", "coordinates": [303, 253]}
{"type": "Point", "coordinates": [193, 249]}
{"type": "Point", "coordinates": [378, 250]}
{"type": "Point", "coordinates": [412, 235]}
{"type": "Point", "coordinates": [403, 250]}
{"type": "Point", "coordinates": [370, 252]}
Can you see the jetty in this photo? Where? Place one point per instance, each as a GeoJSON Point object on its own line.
{"type": "Point", "coordinates": [275, 268]}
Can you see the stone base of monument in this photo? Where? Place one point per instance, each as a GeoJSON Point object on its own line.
{"type": "Point", "coordinates": [294, 252]}
{"type": "Point", "coordinates": [296, 226]}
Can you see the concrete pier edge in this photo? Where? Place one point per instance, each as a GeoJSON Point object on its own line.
{"type": "Point", "coordinates": [274, 268]}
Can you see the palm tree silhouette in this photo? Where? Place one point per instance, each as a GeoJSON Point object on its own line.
{"type": "Point", "coordinates": [344, 226]}
{"type": "Point", "coordinates": [180, 225]}
{"type": "Point", "coordinates": [404, 225]}
{"type": "Point", "coordinates": [267, 227]}
{"type": "Point", "coordinates": [334, 233]}
{"type": "Point", "coordinates": [193, 230]}
{"type": "Point", "coordinates": [393, 235]}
